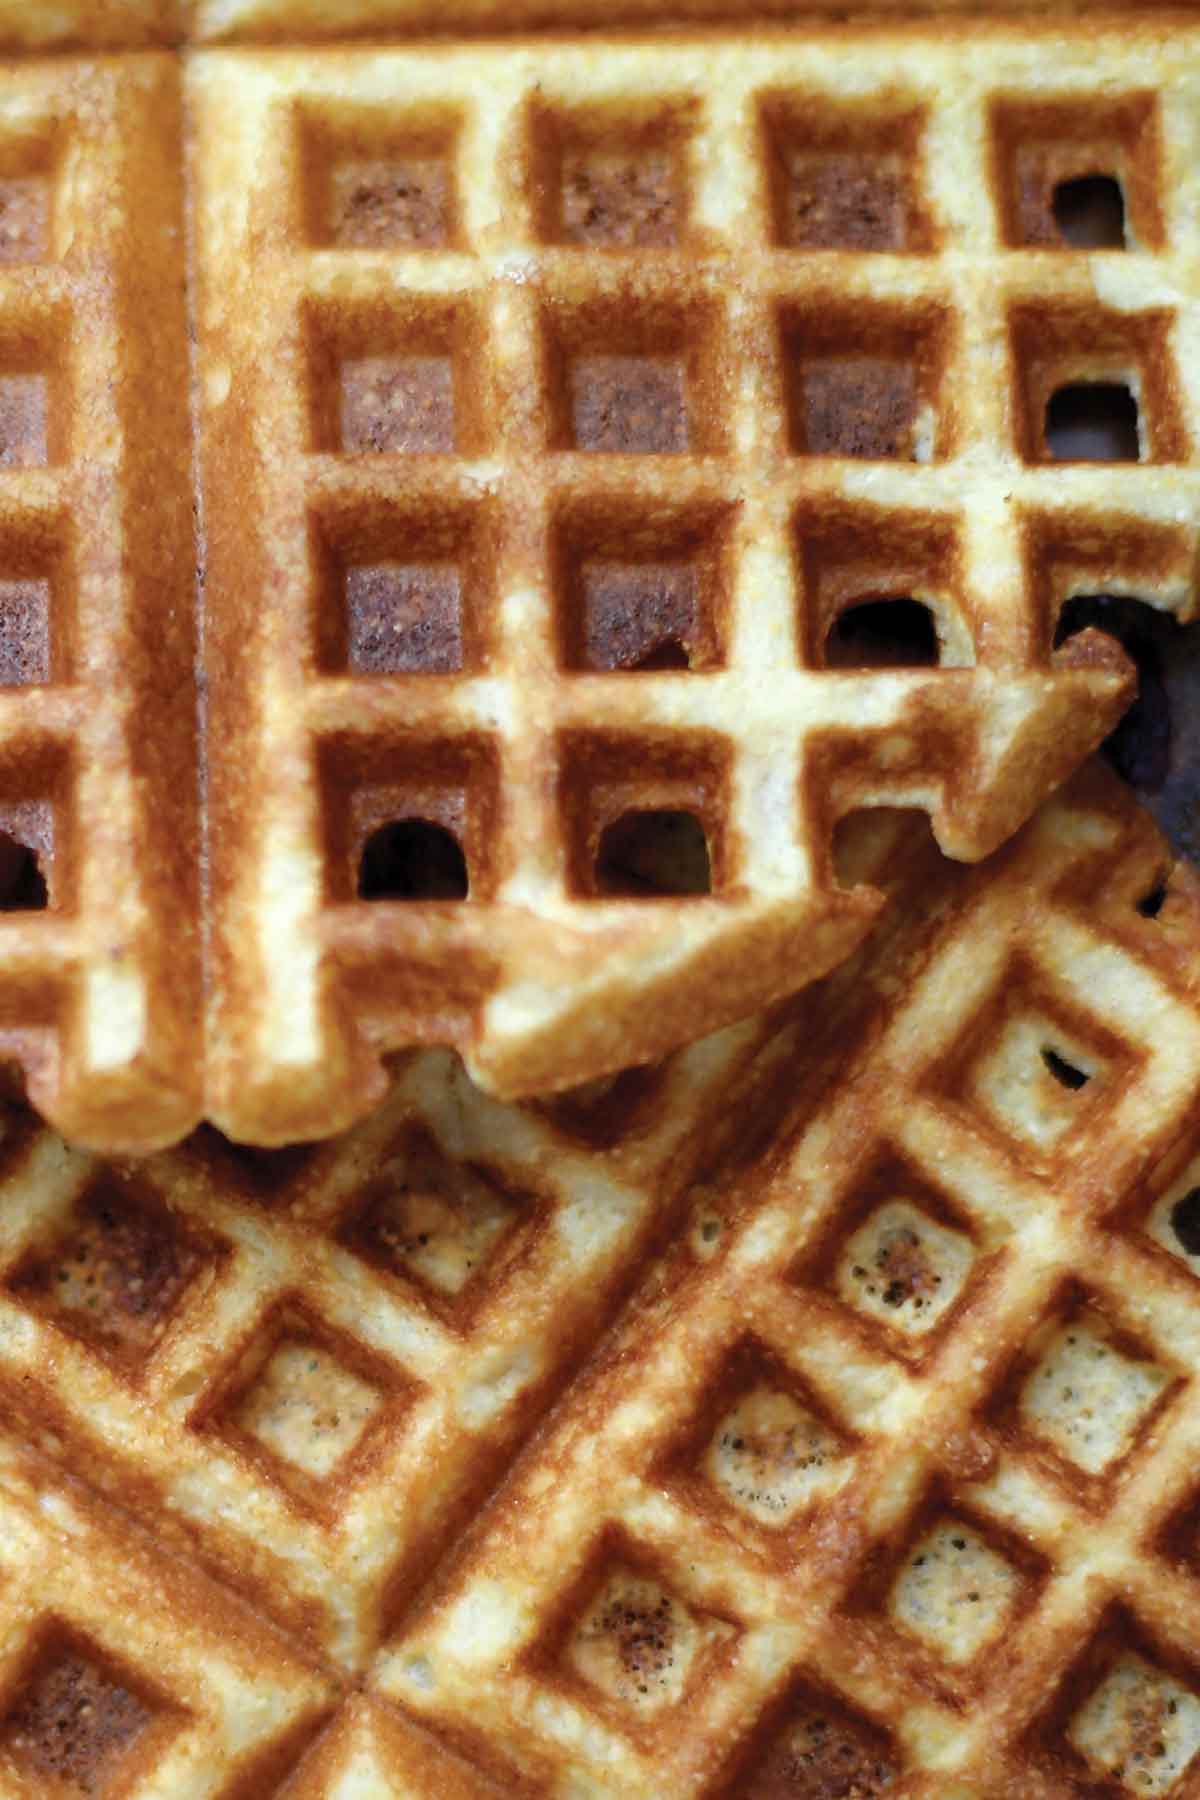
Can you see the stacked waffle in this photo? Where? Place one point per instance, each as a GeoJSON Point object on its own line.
{"type": "Point", "coordinates": [630, 482]}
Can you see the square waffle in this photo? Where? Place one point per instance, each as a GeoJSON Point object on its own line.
{"type": "Point", "coordinates": [581, 407]}
{"type": "Point", "coordinates": [815, 1408]}
{"type": "Point", "coordinates": [553, 481]}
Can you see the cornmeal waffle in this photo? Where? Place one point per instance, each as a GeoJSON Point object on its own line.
{"type": "Point", "coordinates": [572, 402]}
{"type": "Point", "coordinates": [818, 1407]}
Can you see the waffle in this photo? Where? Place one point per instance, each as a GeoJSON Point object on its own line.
{"type": "Point", "coordinates": [596, 362]}
{"type": "Point", "coordinates": [818, 1406]}
{"type": "Point", "coordinates": [99, 967]}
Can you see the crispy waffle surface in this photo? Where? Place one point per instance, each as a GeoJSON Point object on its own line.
{"type": "Point", "coordinates": [566, 422]}
{"type": "Point", "coordinates": [558, 408]}
{"type": "Point", "coordinates": [33, 25]}
{"type": "Point", "coordinates": [813, 1415]}
{"type": "Point", "coordinates": [99, 985]}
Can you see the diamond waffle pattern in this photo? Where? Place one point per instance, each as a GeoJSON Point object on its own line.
{"type": "Point", "coordinates": [700, 1518]}
{"type": "Point", "coordinates": [558, 388]}
{"type": "Point", "coordinates": [983, 1601]}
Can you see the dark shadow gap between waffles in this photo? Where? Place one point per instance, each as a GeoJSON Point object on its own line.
{"type": "Point", "coordinates": [412, 859]}
{"type": "Point", "coordinates": [1092, 421]}
{"type": "Point", "coordinates": [1090, 212]}
{"type": "Point", "coordinates": [1156, 746]}
{"type": "Point", "coordinates": [22, 883]}
{"type": "Point", "coordinates": [648, 853]}
{"type": "Point", "coordinates": [883, 634]}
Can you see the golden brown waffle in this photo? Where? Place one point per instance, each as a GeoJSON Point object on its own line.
{"type": "Point", "coordinates": [114, 24]}
{"type": "Point", "coordinates": [719, 337]}
{"type": "Point", "coordinates": [99, 971]}
{"type": "Point", "coordinates": [423, 668]}
{"type": "Point", "coordinates": [886, 1465]}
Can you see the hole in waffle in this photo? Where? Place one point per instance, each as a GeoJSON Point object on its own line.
{"type": "Point", "coordinates": [641, 594]}
{"type": "Point", "coordinates": [648, 853]}
{"type": "Point", "coordinates": [637, 615]}
{"type": "Point", "coordinates": [813, 1745]}
{"type": "Point", "coordinates": [1185, 1221]}
{"type": "Point", "coordinates": [1094, 421]}
{"type": "Point", "coordinates": [643, 815]}
{"type": "Point", "coordinates": [1140, 747]}
{"type": "Point", "coordinates": [396, 379]}
{"type": "Point", "coordinates": [1077, 172]}
{"type": "Point", "coordinates": [411, 819]}
{"type": "Point", "coordinates": [883, 634]}
{"type": "Point", "coordinates": [610, 178]}
{"type": "Point", "coordinates": [843, 177]}
{"type": "Point", "coordinates": [1064, 1072]}
{"type": "Point", "coordinates": [412, 859]}
{"type": "Point", "coordinates": [433, 1218]}
{"type": "Point", "coordinates": [75, 1717]}
{"type": "Point", "coordinates": [866, 388]}
{"type": "Point", "coordinates": [880, 587]}
{"type": "Point", "coordinates": [1093, 385]}
{"type": "Point", "coordinates": [373, 181]}
{"type": "Point", "coordinates": [114, 1272]}
{"type": "Point", "coordinates": [1039, 1075]}
{"type": "Point", "coordinates": [632, 377]}
{"type": "Point", "coordinates": [22, 883]}
{"type": "Point", "coordinates": [868, 844]}
{"type": "Point", "coordinates": [1090, 212]}
{"type": "Point", "coordinates": [1173, 1221]}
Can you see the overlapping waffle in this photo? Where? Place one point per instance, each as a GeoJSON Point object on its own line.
{"type": "Point", "coordinates": [535, 363]}
{"type": "Point", "coordinates": [819, 1407]}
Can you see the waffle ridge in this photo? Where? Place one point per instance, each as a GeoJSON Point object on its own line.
{"type": "Point", "coordinates": [100, 952]}
{"type": "Point", "coordinates": [821, 1405]}
{"type": "Point", "coordinates": [615, 430]}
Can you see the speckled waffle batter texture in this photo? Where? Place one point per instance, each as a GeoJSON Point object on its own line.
{"type": "Point", "coordinates": [813, 1414]}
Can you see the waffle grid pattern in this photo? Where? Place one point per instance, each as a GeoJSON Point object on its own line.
{"type": "Point", "coordinates": [333, 1340]}
{"type": "Point", "coordinates": [887, 1462]}
{"type": "Point", "coordinates": [96, 1004]}
{"type": "Point", "coordinates": [594, 269]}
{"type": "Point", "coordinates": [972, 1549]}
